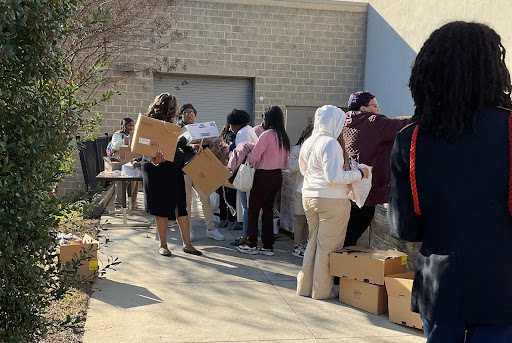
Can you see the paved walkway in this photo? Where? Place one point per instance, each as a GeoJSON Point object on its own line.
{"type": "Point", "coordinates": [222, 296]}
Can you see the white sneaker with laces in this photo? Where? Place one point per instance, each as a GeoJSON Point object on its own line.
{"type": "Point", "coordinates": [267, 252]}
{"type": "Point", "coordinates": [245, 249]}
{"type": "Point", "coordinates": [297, 252]}
{"type": "Point", "coordinates": [214, 234]}
{"type": "Point", "coordinates": [191, 236]}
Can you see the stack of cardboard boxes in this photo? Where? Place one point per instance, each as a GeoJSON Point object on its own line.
{"type": "Point", "coordinates": [375, 280]}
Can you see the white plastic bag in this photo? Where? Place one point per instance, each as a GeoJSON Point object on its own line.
{"type": "Point", "coordinates": [360, 189]}
{"type": "Point", "coordinates": [244, 177]}
{"type": "Point", "coordinates": [128, 169]}
{"type": "Point", "coordinates": [215, 201]}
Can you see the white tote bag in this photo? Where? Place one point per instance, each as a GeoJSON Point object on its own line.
{"type": "Point", "coordinates": [360, 189]}
{"type": "Point", "coordinates": [215, 201]}
{"type": "Point", "coordinates": [244, 177]}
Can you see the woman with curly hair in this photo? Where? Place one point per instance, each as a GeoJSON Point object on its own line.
{"type": "Point", "coordinates": [450, 185]}
{"type": "Point", "coordinates": [164, 185]}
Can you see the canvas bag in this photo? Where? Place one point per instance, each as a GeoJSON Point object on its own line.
{"type": "Point", "coordinates": [244, 177]}
{"type": "Point", "coordinates": [360, 189]}
{"type": "Point", "coordinates": [215, 201]}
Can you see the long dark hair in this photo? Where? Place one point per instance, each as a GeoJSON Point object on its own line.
{"type": "Point", "coordinates": [164, 107]}
{"type": "Point", "coordinates": [459, 70]}
{"type": "Point", "coordinates": [273, 118]}
{"type": "Point", "coordinates": [305, 134]}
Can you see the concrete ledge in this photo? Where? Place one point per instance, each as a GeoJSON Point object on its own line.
{"type": "Point", "coordinates": [98, 203]}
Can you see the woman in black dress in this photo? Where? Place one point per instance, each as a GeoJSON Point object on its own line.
{"type": "Point", "coordinates": [164, 185]}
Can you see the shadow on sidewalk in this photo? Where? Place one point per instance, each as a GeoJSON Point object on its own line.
{"type": "Point", "coordinates": [126, 295]}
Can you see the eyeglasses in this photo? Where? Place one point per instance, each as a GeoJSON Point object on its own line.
{"type": "Point", "coordinates": [189, 114]}
{"type": "Point", "coordinates": [374, 105]}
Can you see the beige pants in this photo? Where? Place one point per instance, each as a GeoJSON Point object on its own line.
{"type": "Point", "coordinates": [300, 231]}
{"type": "Point", "coordinates": [205, 203]}
{"type": "Point", "coordinates": [327, 220]}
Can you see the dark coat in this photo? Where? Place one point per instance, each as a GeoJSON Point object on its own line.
{"type": "Point", "coordinates": [370, 137]}
{"type": "Point", "coordinates": [464, 269]}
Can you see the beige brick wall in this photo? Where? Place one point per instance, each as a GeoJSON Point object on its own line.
{"type": "Point", "coordinates": [299, 54]}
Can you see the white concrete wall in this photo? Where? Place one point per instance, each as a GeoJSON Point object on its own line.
{"type": "Point", "coordinates": [396, 30]}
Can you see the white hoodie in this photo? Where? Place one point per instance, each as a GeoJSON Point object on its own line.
{"type": "Point", "coordinates": [321, 158]}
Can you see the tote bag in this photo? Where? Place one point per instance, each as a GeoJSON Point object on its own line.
{"type": "Point", "coordinates": [244, 177]}
{"type": "Point", "coordinates": [360, 189]}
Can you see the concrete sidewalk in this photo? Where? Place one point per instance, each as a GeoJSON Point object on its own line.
{"type": "Point", "coordinates": [222, 296]}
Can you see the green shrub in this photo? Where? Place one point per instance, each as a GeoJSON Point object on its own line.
{"type": "Point", "coordinates": [39, 117]}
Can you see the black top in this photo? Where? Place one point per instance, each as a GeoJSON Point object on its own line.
{"type": "Point", "coordinates": [164, 187]}
{"type": "Point", "coordinates": [464, 266]}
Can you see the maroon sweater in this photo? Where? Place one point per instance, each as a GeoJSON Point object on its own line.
{"type": "Point", "coordinates": [369, 139]}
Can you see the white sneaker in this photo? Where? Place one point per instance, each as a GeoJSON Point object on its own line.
{"type": "Point", "coordinates": [267, 252]}
{"type": "Point", "coordinates": [298, 252]}
{"type": "Point", "coordinates": [245, 249]}
{"type": "Point", "coordinates": [215, 234]}
{"type": "Point", "coordinates": [191, 236]}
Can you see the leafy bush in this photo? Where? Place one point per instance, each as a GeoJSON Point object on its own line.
{"type": "Point", "coordinates": [39, 116]}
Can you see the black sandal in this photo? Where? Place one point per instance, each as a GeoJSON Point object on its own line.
{"type": "Point", "coordinates": [193, 252]}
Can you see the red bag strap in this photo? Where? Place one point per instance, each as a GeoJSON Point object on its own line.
{"type": "Point", "coordinates": [510, 163]}
{"type": "Point", "coordinates": [412, 171]}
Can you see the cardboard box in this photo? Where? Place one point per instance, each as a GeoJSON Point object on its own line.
{"type": "Point", "coordinates": [363, 295]}
{"type": "Point", "coordinates": [206, 172]}
{"type": "Point", "coordinates": [368, 265]}
{"type": "Point", "coordinates": [126, 154]}
{"type": "Point", "coordinates": [194, 133]}
{"type": "Point", "coordinates": [151, 135]}
{"type": "Point", "coordinates": [89, 268]}
{"type": "Point", "coordinates": [399, 288]}
{"type": "Point", "coordinates": [111, 164]}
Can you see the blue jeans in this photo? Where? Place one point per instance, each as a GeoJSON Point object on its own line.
{"type": "Point", "coordinates": [243, 200]}
{"type": "Point", "coordinates": [458, 331]}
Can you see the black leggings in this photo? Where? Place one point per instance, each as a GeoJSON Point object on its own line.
{"type": "Point", "coordinates": [360, 219]}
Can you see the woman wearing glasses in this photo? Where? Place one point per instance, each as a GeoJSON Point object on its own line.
{"type": "Point", "coordinates": [369, 137]}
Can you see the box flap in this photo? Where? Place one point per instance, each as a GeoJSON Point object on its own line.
{"type": "Point", "coordinates": [88, 239]}
{"type": "Point", "coordinates": [399, 285]}
{"type": "Point", "coordinates": [358, 252]}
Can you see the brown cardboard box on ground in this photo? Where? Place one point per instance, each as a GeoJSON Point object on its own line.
{"type": "Point", "coordinates": [368, 265]}
{"type": "Point", "coordinates": [206, 171]}
{"type": "Point", "coordinates": [151, 135]}
{"type": "Point", "coordinates": [399, 288]}
{"type": "Point", "coordinates": [126, 154]}
{"type": "Point", "coordinates": [363, 295]}
{"type": "Point", "coordinates": [89, 268]}
{"type": "Point", "coordinates": [111, 164]}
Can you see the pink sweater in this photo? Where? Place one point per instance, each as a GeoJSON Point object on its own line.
{"type": "Point", "coordinates": [267, 154]}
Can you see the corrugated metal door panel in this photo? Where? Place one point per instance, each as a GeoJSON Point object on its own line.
{"type": "Point", "coordinates": [213, 97]}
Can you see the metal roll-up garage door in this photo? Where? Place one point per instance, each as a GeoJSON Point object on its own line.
{"type": "Point", "coordinates": [213, 97]}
